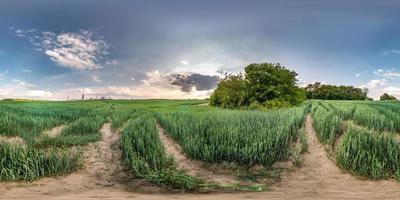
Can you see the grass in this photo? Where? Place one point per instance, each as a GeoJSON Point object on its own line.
{"type": "Point", "coordinates": [369, 146]}
{"type": "Point", "coordinates": [327, 123]}
{"type": "Point", "coordinates": [19, 163]}
{"type": "Point", "coordinates": [244, 138]}
{"type": "Point", "coordinates": [368, 153]}
{"type": "Point", "coordinates": [247, 138]}
{"type": "Point", "coordinates": [145, 154]}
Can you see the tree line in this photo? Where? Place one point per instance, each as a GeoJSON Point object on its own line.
{"type": "Point", "coordinates": [333, 92]}
{"type": "Point", "coordinates": [270, 85]}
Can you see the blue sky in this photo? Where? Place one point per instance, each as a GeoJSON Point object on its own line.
{"type": "Point", "coordinates": [178, 49]}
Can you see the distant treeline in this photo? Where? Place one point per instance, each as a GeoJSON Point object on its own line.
{"type": "Point", "coordinates": [333, 92]}
{"type": "Point", "coordinates": [387, 97]}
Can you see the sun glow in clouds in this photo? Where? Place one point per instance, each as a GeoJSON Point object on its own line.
{"type": "Point", "coordinates": [185, 62]}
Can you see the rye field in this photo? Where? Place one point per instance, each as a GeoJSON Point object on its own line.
{"type": "Point", "coordinates": [186, 145]}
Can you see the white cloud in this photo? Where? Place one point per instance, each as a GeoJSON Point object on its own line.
{"type": "Point", "coordinates": [3, 92]}
{"type": "Point", "coordinates": [362, 73]}
{"type": "Point", "coordinates": [76, 50]}
{"type": "Point", "coordinates": [390, 74]}
{"type": "Point", "coordinates": [2, 76]}
{"type": "Point", "coordinates": [96, 79]}
{"type": "Point", "coordinates": [379, 86]}
{"type": "Point", "coordinates": [392, 90]}
{"type": "Point", "coordinates": [39, 93]}
{"type": "Point", "coordinates": [376, 82]}
{"type": "Point", "coordinates": [22, 84]}
{"type": "Point", "coordinates": [82, 50]}
{"type": "Point", "coordinates": [393, 51]}
{"type": "Point", "coordinates": [19, 33]}
{"type": "Point", "coordinates": [21, 89]}
{"type": "Point", "coordinates": [27, 70]}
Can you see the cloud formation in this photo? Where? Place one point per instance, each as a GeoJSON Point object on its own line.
{"type": "Point", "coordinates": [392, 90]}
{"type": "Point", "coordinates": [155, 85]}
{"type": "Point", "coordinates": [82, 50]}
{"type": "Point", "coordinates": [376, 82]}
{"type": "Point", "coordinates": [390, 74]}
{"type": "Point", "coordinates": [393, 51]}
{"type": "Point", "coordinates": [194, 82]}
{"type": "Point", "coordinates": [21, 89]}
{"type": "Point", "coordinates": [22, 84]}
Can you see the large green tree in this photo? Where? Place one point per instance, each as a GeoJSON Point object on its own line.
{"type": "Point", "coordinates": [269, 81]}
{"type": "Point", "coordinates": [264, 84]}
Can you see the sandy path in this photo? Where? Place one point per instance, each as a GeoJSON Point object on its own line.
{"type": "Point", "coordinates": [54, 132]}
{"type": "Point", "coordinates": [192, 167]}
{"type": "Point", "coordinates": [319, 178]}
{"type": "Point", "coordinates": [14, 140]}
{"type": "Point", "coordinates": [102, 174]}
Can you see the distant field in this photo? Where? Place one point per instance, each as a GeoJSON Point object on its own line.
{"type": "Point", "coordinates": [39, 139]}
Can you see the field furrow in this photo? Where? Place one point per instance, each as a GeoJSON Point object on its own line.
{"type": "Point", "coordinates": [319, 177]}
{"type": "Point", "coordinates": [192, 167]}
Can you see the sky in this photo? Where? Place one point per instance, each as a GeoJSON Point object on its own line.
{"type": "Point", "coordinates": [179, 49]}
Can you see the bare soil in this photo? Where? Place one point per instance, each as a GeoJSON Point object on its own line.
{"type": "Point", "coordinates": [193, 167]}
{"type": "Point", "coordinates": [319, 178]}
{"type": "Point", "coordinates": [54, 132]}
{"type": "Point", "coordinates": [15, 140]}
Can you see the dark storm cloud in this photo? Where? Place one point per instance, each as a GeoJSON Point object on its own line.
{"type": "Point", "coordinates": [201, 82]}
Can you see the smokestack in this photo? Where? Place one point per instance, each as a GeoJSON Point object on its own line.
{"type": "Point", "coordinates": [83, 96]}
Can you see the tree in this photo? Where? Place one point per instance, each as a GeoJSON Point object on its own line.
{"type": "Point", "coordinates": [230, 92]}
{"type": "Point", "coordinates": [333, 92]}
{"type": "Point", "coordinates": [266, 85]}
{"type": "Point", "coordinates": [387, 97]}
{"type": "Point", "coordinates": [269, 81]}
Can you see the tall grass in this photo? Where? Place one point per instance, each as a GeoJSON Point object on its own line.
{"type": "Point", "coordinates": [121, 115]}
{"type": "Point", "coordinates": [80, 132]}
{"type": "Point", "coordinates": [371, 118]}
{"type": "Point", "coordinates": [244, 137]}
{"type": "Point", "coordinates": [17, 163]}
{"type": "Point", "coordinates": [327, 123]}
{"type": "Point", "coordinates": [145, 154]}
{"type": "Point", "coordinates": [368, 153]}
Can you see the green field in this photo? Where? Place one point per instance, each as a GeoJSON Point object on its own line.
{"type": "Point", "coordinates": [362, 137]}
